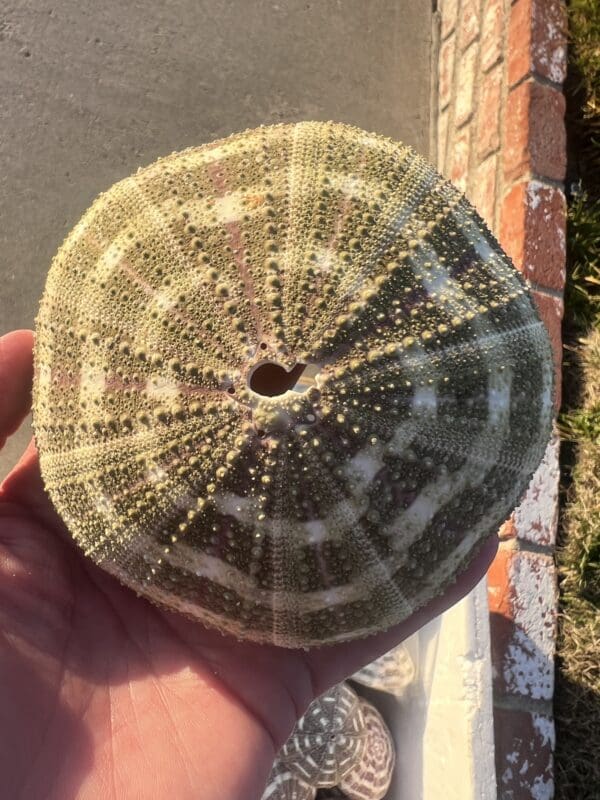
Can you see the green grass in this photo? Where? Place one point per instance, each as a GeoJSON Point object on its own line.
{"type": "Point", "coordinates": [577, 695]}
{"type": "Point", "coordinates": [584, 29]}
{"type": "Point", "coordinates": [582, 292]}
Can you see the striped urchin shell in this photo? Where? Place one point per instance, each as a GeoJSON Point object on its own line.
{"type": "Point", "coordinates": [283, 784]}
{"type": "Point", "coordinates": [287, 382]}
{"type": "Point", "coordinates": [392, 672]}
{"type": "Point", "coordinates": [328, 740]}
{"type": "Point", "coordinates": [370, 777]}
{"type": "Point", "coordinates": [341, 741]}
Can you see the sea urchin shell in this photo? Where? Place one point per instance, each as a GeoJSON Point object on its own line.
{"type": "Point", "coordinates": [341, 740]}
{"type": "Point", "coordinates": [392, 672]}
{"type": "Point", "coordinates": [287, 382]}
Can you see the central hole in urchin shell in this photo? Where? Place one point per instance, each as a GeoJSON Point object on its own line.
{"type": "Point", "coordinates": [271, 379]}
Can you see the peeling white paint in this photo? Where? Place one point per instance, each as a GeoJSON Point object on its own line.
{"type": "Point", "coordinates": [545, 727]}
{"type": "Point", "coordinates": [536, 516]}
{"type": "Point", "coordinates": [542, 790]}
{"type": "Point", "coordinates": [528, 664]}
{"type": "Point", "coordinates": [535, 194]}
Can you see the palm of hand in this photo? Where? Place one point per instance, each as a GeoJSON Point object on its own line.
{"type": "Point", "coordinates": [106, 696]}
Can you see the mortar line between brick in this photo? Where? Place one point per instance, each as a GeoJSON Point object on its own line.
{"type": "Point", "coordinates": [524, 545]}
{"type": "Point", "coordinates": [465, 124]}
{"type": "Point", "coordinates": [443, 162]}
{"type": "Point", "coordinates": [490, 155]}
{"type": "Point", "coordinates": [458, 56]}
{"type": "Point", "coordinates": [534, 77]}
{"type": "Point", "coordinates": [537, 287]}
{"type": "Point", "coordinates": [434, 88]}
{"type": "Point", "coordinates": [527, 177]}
{"type": "Point", "coordinates": [514, 544]}
{"type": "Point", "coordinates": [522, 703]}
{"type": "Point", "coordinates": [548, 181]}
{"type": "Point", "coordinates": [499, 183]}
{"type": "Point", "coordinates": [491, 66]}
{"type": "Point", "coordinates": [473, 118]}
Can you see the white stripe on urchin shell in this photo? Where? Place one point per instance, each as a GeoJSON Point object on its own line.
{"type": "Point", "coordinates": [337, 508]}
{"type": "Point", "coordinates": [283, 784]}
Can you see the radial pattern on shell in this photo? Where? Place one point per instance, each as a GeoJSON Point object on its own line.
{"type": "Point", "coordinates": [328, 740]}
{"type": "Point", "coordinates": [370, 777]}
{"type": "Point", "coordinates": [283, 784]}
{"type": "Point", "coordinates": [287, 382]}
{"type": "Point", "coordinates": [392, 672]}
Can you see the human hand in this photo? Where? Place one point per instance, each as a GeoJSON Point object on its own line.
{"type": "Point", "coordinates": [106, 696]}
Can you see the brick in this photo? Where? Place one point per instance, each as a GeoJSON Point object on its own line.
{"type": "Point", "coordinates": [536, 516]}
{"type": "Point", "coordinates": [534, 132]}
{"type": "Point", "coordinates": [483, 194]}
{"type": "Point", "coordinates": [491, 33]}
{"type": "Point", "coordinates": [449, 12]}
{"type": "Point", "coordinates": [465, 81]}
{"type": "Point", "coordinates": [551, 310]}
{"type": "Point", "coordinates": [524, 745]}
{"type": "Point", "coordinates": [442, 139]}
{"type": "Point", "coordinates": [446, 71]}
{"type": "Point", "coordinates": [522, 594]}
{"type": "Point", "coordinates": [469, 23]}
{"type": "Point", "coordinates": [497, 580]}
{"type": "Point", "coordinates": [532, 231]}
{"type": "Point", "coordinates": [488, 114]}
{"type": "Point", "coordinates": [537, 40]}
{"type": "Point", "coordinates": [458, 158]}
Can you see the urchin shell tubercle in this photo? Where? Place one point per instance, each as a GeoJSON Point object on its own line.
{"type": "Point", "coordinates": [287, 382]}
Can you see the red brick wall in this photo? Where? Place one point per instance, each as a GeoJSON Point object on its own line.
{"type": "Point", "coordinates": [501, 138]}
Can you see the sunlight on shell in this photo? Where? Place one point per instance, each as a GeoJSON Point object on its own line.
{"type": "Point", "coordinates": [286, 383]}
{"type": "Point", "coordinates": [285, 785]}
{"type": "Point", "coordinates": [328, 739]}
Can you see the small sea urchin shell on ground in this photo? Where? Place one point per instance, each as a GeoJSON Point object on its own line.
{"type": "Point", "coordinates": [286, 785]}
{"type": "Point", "coordinates": [392, 672]}
{"type": "Point", "coordinates": [287, 382]}
{"type": "Point", "coordinates": [370, 777]}
{"type": "Point", "coordinates": [341, 741]}
{"type": "Point", "coordinates": [328, 740]}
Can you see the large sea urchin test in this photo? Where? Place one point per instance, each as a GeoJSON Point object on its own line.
{"type": "Point", "coordinates": [287, 382]}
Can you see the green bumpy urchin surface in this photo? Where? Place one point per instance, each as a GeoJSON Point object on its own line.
{"type": "Point", "coordinates": [287, 382]}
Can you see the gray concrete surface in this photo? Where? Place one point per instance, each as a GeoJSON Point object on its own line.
{"type": "Point", "coordinates": [90, 91]}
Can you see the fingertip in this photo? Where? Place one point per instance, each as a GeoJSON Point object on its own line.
{"type": "Point", "coordinates": [18, 341]}
{"type": "Point", "coordinates": [16, 377]}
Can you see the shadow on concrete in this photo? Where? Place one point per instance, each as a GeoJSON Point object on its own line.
{"type": "Point", "coordinates": [576, 758]}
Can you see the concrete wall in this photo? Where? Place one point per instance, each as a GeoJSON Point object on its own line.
{"type": "Point", "coordinates": [90, 91]}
